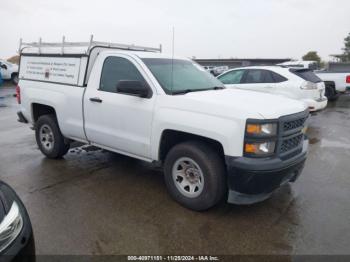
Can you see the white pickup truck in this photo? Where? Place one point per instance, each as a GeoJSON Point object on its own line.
{"type": "Point", "coordinates": [214, 143]}
{"type": "Point", "coordinates": [339, 80]}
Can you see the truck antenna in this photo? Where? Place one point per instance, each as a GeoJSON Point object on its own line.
{"type": "Point", "coordinates": [20, 46]}
{"type": "Point", "coordinates": [172, 61]}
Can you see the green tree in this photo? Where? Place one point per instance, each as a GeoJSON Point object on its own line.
{"type": "Point", "coordinates": [346, 49]}
{"type": "Point", "coordinates": [312, 56]}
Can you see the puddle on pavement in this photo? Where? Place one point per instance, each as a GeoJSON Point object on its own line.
{"type": "Point", "coordinates": [335, 144]}
{"type": "Point", "coordinates": [90, 148]}
{"type": "Point", "coordinates": [313, 131]}
{"type": "Point", "coordinates": [2, 101]}
{"type": "Point", "coordinates": [341, 112]}
{"type": "Point", "coordinates": [314, 140]}
{"type": "Point", "coordinates": [79, 148]}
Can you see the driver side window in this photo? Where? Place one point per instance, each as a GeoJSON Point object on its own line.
{"type": "Point", "coordinates": [117, 69]}
{"type": "Point", "coordinates": [233, 77]}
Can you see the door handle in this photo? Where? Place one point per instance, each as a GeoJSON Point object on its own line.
{"type": "Point", "coordinates": [96, 99]}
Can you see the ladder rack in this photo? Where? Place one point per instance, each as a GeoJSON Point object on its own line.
{"type": "Point", "coordinates": [86, 46]}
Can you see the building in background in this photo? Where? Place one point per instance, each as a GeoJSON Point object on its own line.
{"type": "Point", "coordinates": [338, 67]}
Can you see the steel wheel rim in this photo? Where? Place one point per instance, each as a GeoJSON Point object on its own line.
{"type": "Point", "coordinates": [46, 137]}
{"type": "Point", "coordinates": [188, 177]}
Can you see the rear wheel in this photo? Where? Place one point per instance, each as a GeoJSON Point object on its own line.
{"type": "Point", "coordinates": [195, 175]}
{"type": "Point", "coordinates": [49, 137]}
{"type": "Point", "coordinates": [330, 91]}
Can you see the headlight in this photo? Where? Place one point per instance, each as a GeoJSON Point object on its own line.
{"type": "Point", "coordinates": [10, 227]}
{"type": "Point", "coordinates": [260, 149]}
{"type": "Point", "coordinates": [262, 129]}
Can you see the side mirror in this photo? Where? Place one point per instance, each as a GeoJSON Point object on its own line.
{"type": "Point", "coordinates": [3, 66]}
{"type": "Point", "coordinates": [134, 88]}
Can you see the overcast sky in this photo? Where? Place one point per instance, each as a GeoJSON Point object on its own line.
{"type": "Point", "coordinates": [203, 28]}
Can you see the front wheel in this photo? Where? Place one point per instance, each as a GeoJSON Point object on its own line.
{"type": "Point", "coordinates": [49, 137]}
{"type": "Point", "coordinates": [195, 175]}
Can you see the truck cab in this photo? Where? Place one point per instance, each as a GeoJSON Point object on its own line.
{"type": "Point", "coordinates": [213, 143]}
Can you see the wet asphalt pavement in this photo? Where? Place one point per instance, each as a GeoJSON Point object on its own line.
{"type": "Point", "coordinates": [96, 202]}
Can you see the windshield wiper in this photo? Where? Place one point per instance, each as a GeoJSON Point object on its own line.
{"type": "Point", "coordinates": [185, 91]}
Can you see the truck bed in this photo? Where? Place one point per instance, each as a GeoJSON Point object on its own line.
{"type": "Point", "coordinates": [341, 80]}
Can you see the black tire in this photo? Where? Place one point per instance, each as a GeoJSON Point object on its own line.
{"type": "Point", "coordinates": [14, 78]}
{"type": "Point", "coordinates": [330, 92]}
{"type": "Point", "coordinates": [59, 146]}
{"type": "Point", "coordinates": [213, 170]}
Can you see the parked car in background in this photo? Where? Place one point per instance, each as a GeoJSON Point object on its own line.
{"type": "Point", "coordinates": [9, 71]}
{"type": "Point", "coordinates": [1, 81]}
{"type": "Point", "coordinates": [209, 68]}
{"type": "Point", "coordinates": [214, 143]}
{"type": "Point", "coordinates": [220, 69]}
{"type": "Point", "coordinates": [216, 70]}
{"type": "Point", "coordinates": [300, 84]}
{"type": "Point", "coordinates": [335, 80]}
{"type": "Point", "coordinates": [16, 234]}
{"type": "Point", "coordinates": [312, 65]}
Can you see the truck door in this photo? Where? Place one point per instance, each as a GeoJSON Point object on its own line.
{"type": "Point", "coordinates": [117, 121]}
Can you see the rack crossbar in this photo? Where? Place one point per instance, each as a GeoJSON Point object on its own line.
{"type": "Point", "coordinates": [89, 45]}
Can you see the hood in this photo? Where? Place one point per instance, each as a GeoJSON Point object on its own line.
{"type": "Point", "coordinates": [235, 103]}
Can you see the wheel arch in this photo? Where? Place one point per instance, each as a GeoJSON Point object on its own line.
{"type": "Point", "coordinates": [170, 137]}
{"type": "Point", "coordinates": [14, 74]}
{"type": "Point", "coordinates": [39, 110]}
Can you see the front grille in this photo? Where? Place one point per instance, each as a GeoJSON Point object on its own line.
{"type": "Point", "coordinates": [294, 124]}
{"type": "Point", "coordinates": [291, 143]}
{"type": "Point", "coordinates": [291, 135]}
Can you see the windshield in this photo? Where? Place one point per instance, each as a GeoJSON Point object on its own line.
{"type": "Point", "coordinates": [181, 76]}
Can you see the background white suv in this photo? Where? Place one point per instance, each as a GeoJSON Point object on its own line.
{"type": "Point", "coordinates": [301, 84]}
{"type": "Point", "coordinates": [9, 71]}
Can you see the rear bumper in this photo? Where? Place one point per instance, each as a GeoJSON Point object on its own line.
{"type": "Point", "coordinates": [251, 180]}
{"type": "Point", "coordinates": [315, 105]}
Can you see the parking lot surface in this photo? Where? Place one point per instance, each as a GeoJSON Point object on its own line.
{"type": "Point", "coordinates": [97, 202]}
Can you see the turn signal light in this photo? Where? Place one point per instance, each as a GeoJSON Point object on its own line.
{"type": "Point", "coordinates": [253, 128]}
{"type": "Point", "coordinates": [268, 129]}
{"type": "Point", "coordinates": [260, 149]}
{"type": "Point", "coordinates": [250, 148]}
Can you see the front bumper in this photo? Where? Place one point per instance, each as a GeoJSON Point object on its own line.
{"type": "Point", "coordinates": [316, 105]}
{"type": "Point", "coordinates": [251, 180]}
